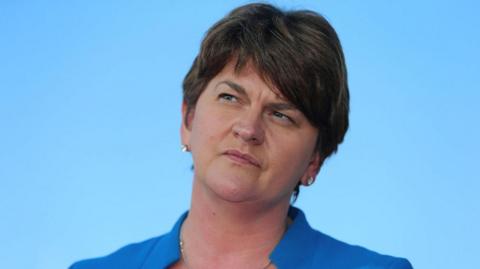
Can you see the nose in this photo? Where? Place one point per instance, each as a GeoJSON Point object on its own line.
{"type": "Point", "coordinates": [249, 128]}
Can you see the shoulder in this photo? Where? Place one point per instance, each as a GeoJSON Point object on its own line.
{"type": "Point", "coordinates": [304, 247]}
{"type": "Point", "coordinates": [156, 252]}
{"type": "Point", "coordinates": [129, 256]}
{"type": "Point", "coordinates": [333, 253]}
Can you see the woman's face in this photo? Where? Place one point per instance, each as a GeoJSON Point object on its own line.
{"type": "Point", "coordinates": [249, 143]}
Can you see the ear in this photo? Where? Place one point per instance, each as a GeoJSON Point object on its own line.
{"type": "Point", "coordinates": [313, 168]}
{"type": "Point", "coordinates": [186, 127]}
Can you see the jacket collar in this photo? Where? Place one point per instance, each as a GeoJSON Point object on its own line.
{"type": "Point", "coordinates": [167, 249]}
{"type": "Point", "coordinates": [297, 243]}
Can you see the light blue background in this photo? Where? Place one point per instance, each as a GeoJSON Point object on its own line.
{"type": "Point", "coordinates": [90, 95]}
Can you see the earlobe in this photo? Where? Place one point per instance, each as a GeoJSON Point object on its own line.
{"type": "Point", "coordinates": [312, 169]}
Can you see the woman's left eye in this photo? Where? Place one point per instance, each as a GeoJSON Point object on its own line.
{"type": "Point", "coordinates": [282, 116]}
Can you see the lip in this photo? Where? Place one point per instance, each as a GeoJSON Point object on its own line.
{"type": "Point", "coordinates": [243, 158]}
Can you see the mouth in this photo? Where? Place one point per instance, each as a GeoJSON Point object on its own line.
{"type": "Point", "coordinates": [242, 158]}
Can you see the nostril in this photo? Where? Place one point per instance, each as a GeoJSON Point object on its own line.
{"type": "Point", "coordinates": [245, 133]}
{"type": "Point", "coordinates": [249, 129]}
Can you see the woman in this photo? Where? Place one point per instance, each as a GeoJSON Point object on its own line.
{"type": "Point", "coordinates": [265, 103]}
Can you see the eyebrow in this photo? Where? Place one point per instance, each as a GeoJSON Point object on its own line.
{"type": "Point", "coordinates": [282, 106]}
{"type": "Point", "coordinates": [236, 87]}
{"type": "Point", "coordinates": [240, 90]}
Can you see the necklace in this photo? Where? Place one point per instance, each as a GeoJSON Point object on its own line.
{"type": "Point", "coordinates": [184, 256]}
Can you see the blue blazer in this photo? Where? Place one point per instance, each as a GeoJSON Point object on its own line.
{"type": "Point", "coordinates": [300, 248]}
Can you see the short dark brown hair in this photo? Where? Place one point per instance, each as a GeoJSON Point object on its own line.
{"type": "Point", "coordinates": [298, 52]}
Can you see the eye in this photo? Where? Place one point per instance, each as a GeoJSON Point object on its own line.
{"type": "Point", "coordinates": [282, 117]}
{"type": "Point", "coordinates": [227, 97]}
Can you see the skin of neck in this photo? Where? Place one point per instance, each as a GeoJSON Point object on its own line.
{"type": "Point", "coordinates": [222, 234]}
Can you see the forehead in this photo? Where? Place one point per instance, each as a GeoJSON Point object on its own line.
{"type": "Point", "coordinates": [247, 76]}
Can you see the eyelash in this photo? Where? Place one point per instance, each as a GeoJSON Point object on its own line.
{"type": "Point", "coordinates": [282, 116]}
{"type": "Point", "coordinates": [227, 97]}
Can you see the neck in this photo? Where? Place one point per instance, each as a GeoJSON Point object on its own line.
{"type": "Point", "coordinates": [222, 234]}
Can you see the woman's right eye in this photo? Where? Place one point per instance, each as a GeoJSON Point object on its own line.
{"type": "Point", "coordinates": [227, 97]}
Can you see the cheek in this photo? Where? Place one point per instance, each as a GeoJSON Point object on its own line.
{"type": "Point", "coordinates": [291, 155]}
{"type": "Point", "coordinates": [209, 127]}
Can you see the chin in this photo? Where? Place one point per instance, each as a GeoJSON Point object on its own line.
{"type": "Point", "coordinates": [233, 188]}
